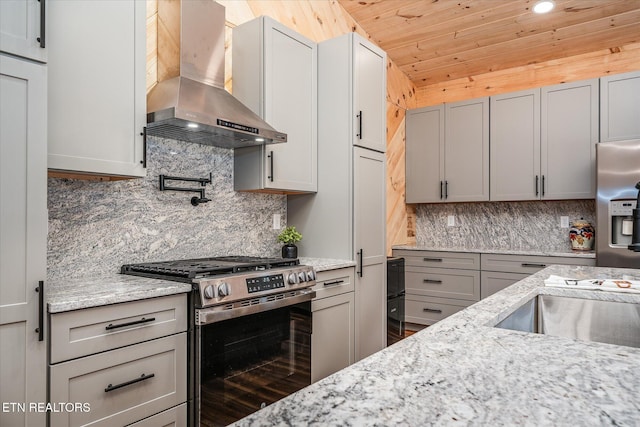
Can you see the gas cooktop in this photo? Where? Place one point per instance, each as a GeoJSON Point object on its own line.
{"type": "Point", "coordinates": [189, 269]}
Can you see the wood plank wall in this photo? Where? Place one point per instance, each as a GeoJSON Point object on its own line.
{"type": "Point", "coordinates": [322, 20]}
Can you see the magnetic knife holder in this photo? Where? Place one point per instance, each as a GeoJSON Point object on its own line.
{"type": "Point", "coordinates": [195, 201]}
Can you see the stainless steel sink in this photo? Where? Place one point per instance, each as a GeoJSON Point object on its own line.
{"type": "Point", "coordinates": [582, 319]}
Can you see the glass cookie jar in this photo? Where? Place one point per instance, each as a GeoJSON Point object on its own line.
{"type": "Point", "coordinates": [582, 235]}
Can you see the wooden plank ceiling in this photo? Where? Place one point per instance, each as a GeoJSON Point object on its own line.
{"type": "Point", "coordinates": [435, 41]}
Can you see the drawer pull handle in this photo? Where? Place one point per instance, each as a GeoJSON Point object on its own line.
{"type": "Point", "coordinates": [335, 282]}
{"type": "Point", "coordinates": [142, 377]}
{"type": "Point", "coordinates": [526, 264]}
{"type": "Point", "coordinates": [432, 259]}
{"type": "Point", "coordinates": [437, 282]}
{"type": "Point", "coordinates": [431, 310]}
{"type": "Point", "coordinates": [135, 322]}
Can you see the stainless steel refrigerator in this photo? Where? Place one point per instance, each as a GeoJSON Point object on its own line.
{"type": "Point", "coordinates": [618, 172]}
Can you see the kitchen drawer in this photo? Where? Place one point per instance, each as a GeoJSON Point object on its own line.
{"type": "Point", "coordinates": [95, 380]}
{"type": "Point", "coordinates": [527, 263]}
{"type": "Point", "coordinates": [427, 311]}
{"type": "Point", "coordinates": [334, 282]}
{"type": "Point", "coordinates": [93, 330]}
{"type": "Point", "coordinates": [494, 281]}
{"type": "Point", "coordinates": [462, 260]}
{"type": "Point", "coordinates": [174, 417]}
{"type": "Point", "coordinates": [443, 283]}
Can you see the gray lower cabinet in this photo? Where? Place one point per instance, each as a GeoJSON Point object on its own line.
{"type": "Point", "coordinates": [121, 363]}
{"type": "Point", "coordinates": [333, 338]}
{"type": "Point", "coordinates": [501, 270]}
{"type": "Point", "coordinates": [438, 284]}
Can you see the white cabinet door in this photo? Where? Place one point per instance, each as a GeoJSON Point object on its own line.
{"type": "Point", "coordinates": [369, 83]}
{"type": "Point", "coordinates": [370, 252]}
{"type": "Point", "coordinates": [620, 107]}
{"type": "Point", "coordinates": [97, 105]}
{"type": "Point", "coordinates": [515, 146]}
{"type": "Point", "coordinates": [22, 24]}
{"type": "Point", "coordinates": [275, 74]}
{"type": "Point", "coordinates": [569, 133]}
{"type": "Point", "coordinates": [424, 155]}
{"type": "Point", "coordinates": [23, 237]}
{"type": "Point", "coordinates": [466, 152]}
{"type": "Point", "coordinates": [333, 340]}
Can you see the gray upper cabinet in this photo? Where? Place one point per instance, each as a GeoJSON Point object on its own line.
{"type": "Point", "coordinates": [369, 94]}
{"type": "Point", "coordinates": [620, 107]}
{"type": "Point", "coordinates": [23, 237]}
{"type": "Point", "coordinates": [275, 74]}
{"type": "Point", "coordinates": [447, 153]}
{"type": "Point", "coordinates": [543, 143]}
{"type": "Point", "coordinates": [424, 153]}
{"type": "Point", "coordinates": [568, 138]}
{"type": "Point", "coordinates": [22, 28]}
{"type": "Point", "coordinates": [515, 146]}
{"type": "Point", "coordinates": [96, 99]}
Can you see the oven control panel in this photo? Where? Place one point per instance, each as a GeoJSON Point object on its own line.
{"type": "Point", "coordinates": [265, 283]}
{"type": "Point", "coordinates": [254, 284]}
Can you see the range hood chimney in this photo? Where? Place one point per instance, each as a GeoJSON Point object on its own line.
{"type": "Point", "coordinates": [194, 106]}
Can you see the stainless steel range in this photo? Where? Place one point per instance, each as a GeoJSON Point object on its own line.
{"type": "Point", "coordinates": [251, 329]}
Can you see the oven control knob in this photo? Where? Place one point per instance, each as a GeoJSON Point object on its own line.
{"type": "Point", "coordinates": [311, 275]}
{"type": "Point", "coordinates": [292, 279]}
{"type": "Point", "coordinates": [302, 277]}
{"type": "Point", "coordinates": [208, 292]}
{"type": "Point", "coordinates": [224, 290]}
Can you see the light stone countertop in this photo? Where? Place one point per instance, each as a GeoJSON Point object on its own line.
{"type": "Point", "coordinates": [463, 371]}
{"type": "Point", "coordinates": [110, 289]}
{"type": "Point", "coordinates": [505, 251]}
{"type": "Point", "coordinates": [326, 264]}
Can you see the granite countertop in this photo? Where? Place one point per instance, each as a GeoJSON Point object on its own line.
{"type": "Point", "coordinates": [325, 264]}
{"type": "Point", "coordinates": [463, 371]}
{"type": "Point", "coordinates": [506, 251]}
{"type": "Point", "coordinates": [105, 290]}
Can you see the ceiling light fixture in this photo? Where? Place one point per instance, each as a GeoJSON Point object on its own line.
{"type": "Point", "coordinates": [544, 6]}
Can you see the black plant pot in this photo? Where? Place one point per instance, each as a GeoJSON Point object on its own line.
{"type": "Point", "coordinates": [290, 251]}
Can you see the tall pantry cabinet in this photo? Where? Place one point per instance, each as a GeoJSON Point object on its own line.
{"type": "Point", "coordinates": [346, 217]}
{"type": "Point", "coordinates": [23, 223]}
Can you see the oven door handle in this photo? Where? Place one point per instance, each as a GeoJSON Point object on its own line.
{"type": "Point", "coordinates": [205, 316]}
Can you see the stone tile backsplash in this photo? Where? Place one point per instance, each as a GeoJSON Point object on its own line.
{"type": "Point", "coordinates": [501, 225]}
{"type": "Point", "coordinates": [95, 227]}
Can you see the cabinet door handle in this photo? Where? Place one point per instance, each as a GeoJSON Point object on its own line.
{"type": "Point", "coordinates": [360, 253]}
{"type": "Point", "coordinates": [270, 156]}
{"type": "Point", "coordinates": [446, 190]}
{"type": "Point", "coordinates": [40, 329]}
{"type": "Point", "coordinates": [142, 377]}
{"type": "Point", "coordinates": [432, 259]}
{"type": "Point", "coordinates": [527, 264]}
{"type": "Point", "coordinates": [437, 282]}
{"type": "Point", "coordinates": [335, 282]}
{"type": "Point", "coordinates": [359, 134]}
{"type": "Point", "coordinates": [42, 24]}
{"type": "Point", "coordinates": [542, 185]}
{"type": "Point", "coordinates": [441, 189]}
{"type": "Point", "coordinates": [431, 310]}
{"type": "Point", "coordinates": [111, 326]}
{"type": "Point", "coordinates": [537, 192]}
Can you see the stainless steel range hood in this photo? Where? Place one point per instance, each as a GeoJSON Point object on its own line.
{"type": "Point", "coordinates": [194, 106]}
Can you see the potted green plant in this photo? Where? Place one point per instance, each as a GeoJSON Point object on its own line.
{"type": "Point", "coordinates": [289, 236]}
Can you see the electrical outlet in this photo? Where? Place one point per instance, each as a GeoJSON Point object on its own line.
{"type": "Point", "coordinates": [276, 221]}
{"type": "Point", "coordinates": [451, 221]}
{"type": "Point", "coordinates": [564, 222]}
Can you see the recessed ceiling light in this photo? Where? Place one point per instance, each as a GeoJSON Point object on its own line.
{"type": "Point", "coordinates": [544, 6]}
{"type": "Point", "coordinates": [192, 125]}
